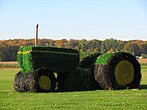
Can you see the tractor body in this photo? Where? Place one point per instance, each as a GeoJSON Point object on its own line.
{"type": "Point", "coordinates": [62, 60]}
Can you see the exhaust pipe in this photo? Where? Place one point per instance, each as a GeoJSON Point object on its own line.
{"type": "Point", "coordinates": [36, 39]}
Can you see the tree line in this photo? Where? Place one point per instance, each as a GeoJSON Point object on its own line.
{"type": "Point", "coordinates": [9, 48]}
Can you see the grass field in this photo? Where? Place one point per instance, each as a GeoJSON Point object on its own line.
{"type": "Point", "coordinates": [83, 100]}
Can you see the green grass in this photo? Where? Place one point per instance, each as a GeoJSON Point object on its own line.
{"type": "Point", "coordinates": [84, 100]}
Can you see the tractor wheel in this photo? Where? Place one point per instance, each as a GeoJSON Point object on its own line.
{"type": "Point", "coordinates": [41, 80]}
{"type": "Point", "coordinates": [19, 82]}
{"type": "Point", "coordinates": [120, 71]}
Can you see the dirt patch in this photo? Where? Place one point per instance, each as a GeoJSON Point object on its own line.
{"type": "Point", "coordinates": [12, 64]}
{"type": "Point", "coordinates": [9, 62]}
{"type": "Point", "coordinates": [142, 60]}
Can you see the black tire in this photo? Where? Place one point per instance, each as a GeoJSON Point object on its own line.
{"type": "Point", "coordinates": [105, 75]}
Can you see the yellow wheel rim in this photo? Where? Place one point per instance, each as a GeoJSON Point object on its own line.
{"type": "Point", "coordinates": [124, 72]}
{"type": "Point", "coordinates": [45, 82]}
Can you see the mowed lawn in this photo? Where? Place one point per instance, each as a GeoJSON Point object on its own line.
{"type": "Point", "coordinates": [83, 100]}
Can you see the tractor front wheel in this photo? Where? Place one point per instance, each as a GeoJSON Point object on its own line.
{"type": "Point", "coordinates": [45, 80]}
{"type": "Point", "coordinates": [40, 80]}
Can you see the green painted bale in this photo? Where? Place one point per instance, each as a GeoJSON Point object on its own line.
{"type": "Point", "coordinates": [78, 80]}
{"type": "Point", "coordinates": [117, 71]}
{"type": "Point", "coordinates": [31, 58]}
{"type": "Point", "coordinates": [88, 80]}
{"type": "Point", "coordinates": [88, 61]}
{"type": "Point", "coordinates": [70, 81]}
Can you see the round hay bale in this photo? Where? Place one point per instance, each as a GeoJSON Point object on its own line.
{"type": "Point", "coordinates": [88, 61]}
{"type": "Point", "coordinates": [30, 82]}
{"type": "Point", "coordinates": [19, 82]}
{"type": "Point", "coordinates": [117, 71]}
{"type": "Point", "coordinates": [41, 80]}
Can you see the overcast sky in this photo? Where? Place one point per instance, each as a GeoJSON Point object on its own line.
{"type": "Point", "coordinates": [74, 19]}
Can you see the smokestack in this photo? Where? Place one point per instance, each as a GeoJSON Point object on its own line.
{"type": "Point", "coordinates": [36, 39]}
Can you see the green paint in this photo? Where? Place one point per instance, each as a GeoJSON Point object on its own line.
{"type": "Point", "coordinates": [102, 59]}
{"type": "Point", "coordinates": [57, 59]}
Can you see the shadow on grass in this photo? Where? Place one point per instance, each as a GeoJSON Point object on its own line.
{"type": "Point", "coordinates": [143, 86]}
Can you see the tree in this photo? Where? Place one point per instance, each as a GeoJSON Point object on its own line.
{"type": "Point", "coordinates": [1, 57]}
{"type": "Point", "coordinates": [143, 48]}
{"type": "Point", "coordinates": [108, 44]}
{"type": "Point", "coordinates": [95, 45]}
{"type": "Point", "coordinates": [82, 45]}
{"type": "Point", "coordinates": [132, 48]}
{"type": "Point", "coordinates": [60, 43]}
{"type": "Point", "coordinates": [72, 44]}
{"type": "Point", "coordinates": [9, 48]}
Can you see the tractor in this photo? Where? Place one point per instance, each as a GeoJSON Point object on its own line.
{"type": "Point", "coordinates": [48, 69]}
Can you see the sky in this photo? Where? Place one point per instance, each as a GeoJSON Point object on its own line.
{"type": "Point", "coordinates": [74, 19]}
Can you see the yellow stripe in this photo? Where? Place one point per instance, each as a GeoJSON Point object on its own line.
{"type": "Point", "coordinates": [24, 52]}
{"type": "Point", "coordinates": [53, 52]}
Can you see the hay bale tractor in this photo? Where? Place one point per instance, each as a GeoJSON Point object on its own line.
{"type": "Point", "coordinates": [38, 65]}
{"type": "Point", "coordinates": [107, 71]}
{"type": "Point", "coordinates": [110, 71]}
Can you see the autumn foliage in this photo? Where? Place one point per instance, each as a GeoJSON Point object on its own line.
{"type": "Point", "coordinates": [9, 48]}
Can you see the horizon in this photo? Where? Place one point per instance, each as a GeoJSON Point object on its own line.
{"type": "Point", "coordinates": [104, 19]}
{"type": "Point", "coordinates": [72, 39]}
